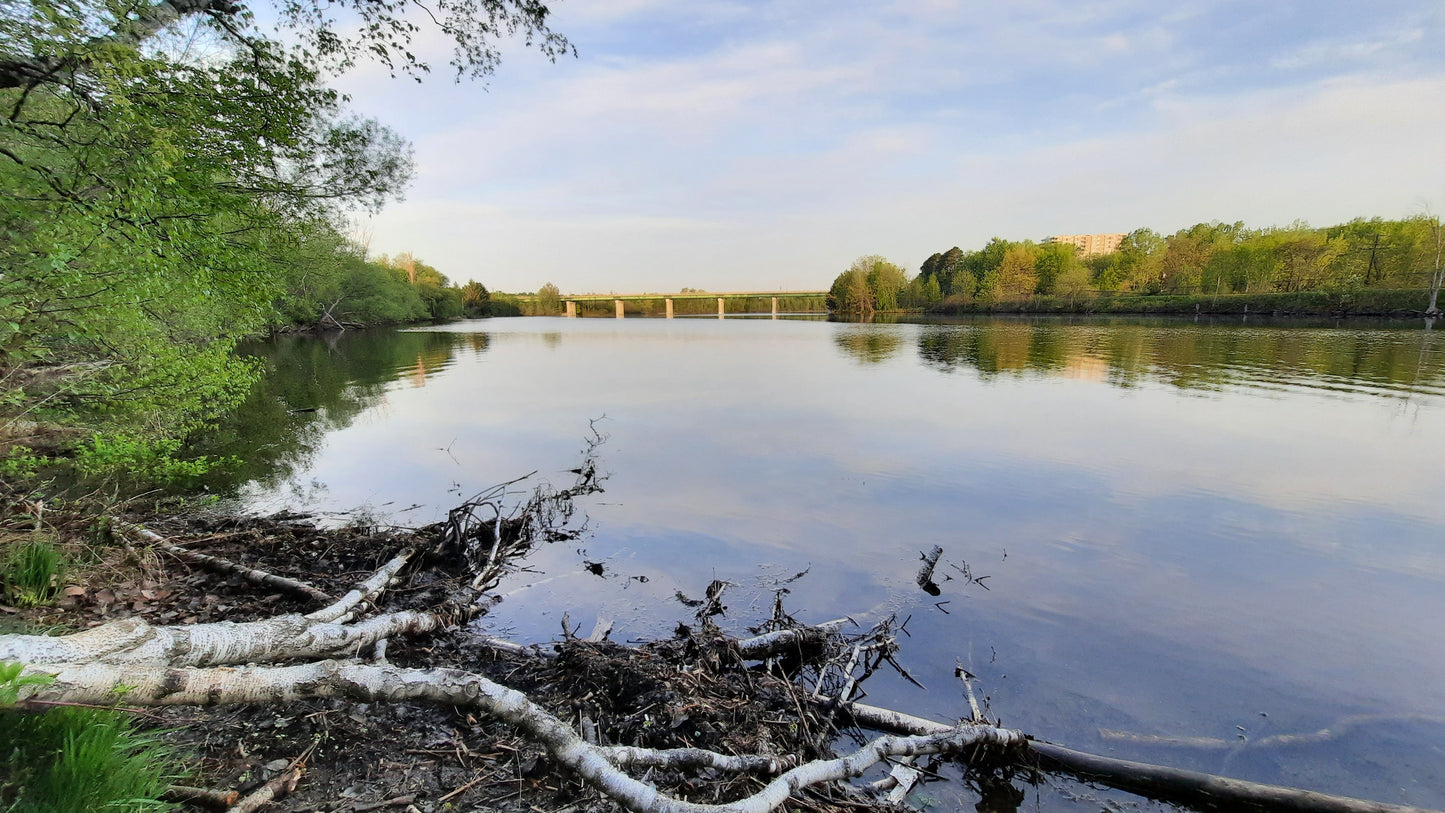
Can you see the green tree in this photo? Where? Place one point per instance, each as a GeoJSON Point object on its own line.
{"type": "Point", "coordinates": [1074, 283]}
{"type": "Point", "coordinates": [870, 284]}
{"type": "Point", "coordinates": [887, 282]}
{"type": "Point", "coordinates": [938, 265]}
{"type": "Point", "coordinates": [155, 198]}
{"type": "Point", "coordinates": [1052, 261]}
{"type": "Point", "coordinates": [549, 300]}
{"type": "Point", "coordinates": [1136, 262]}
{"type": "Point", "coordinates": [475, 298]}
{"type": "Point", "coordinates": [1017, 278]}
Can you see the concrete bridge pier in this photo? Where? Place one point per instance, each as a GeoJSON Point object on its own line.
{"type": "Point", "coordinates": [618, 303]}
{"type": "Point", "coordinates": [775, 307]}
{"type": "Point", "coordinates": [720, 309]}
{"type": "Point", "coordinates": [669, 308]}
{"type": "Point", "coordinates": [571, 310]}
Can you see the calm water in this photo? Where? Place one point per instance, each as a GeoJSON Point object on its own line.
{"type": "Point", "coordinates": [1210, 530]}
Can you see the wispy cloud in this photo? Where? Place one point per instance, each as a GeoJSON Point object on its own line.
{"type": "Point", "coordinates": [769, 143]}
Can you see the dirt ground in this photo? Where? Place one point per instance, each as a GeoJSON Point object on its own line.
{"type": "Point", "coordinates": [689, 690]}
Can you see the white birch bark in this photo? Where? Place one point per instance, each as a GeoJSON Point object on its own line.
{"type": "Point", "coordinates": [321, 634]}
{"type": "Point", "coordinates": [282, 638]}
{"type": "Point", "coordinates": [96, 683]}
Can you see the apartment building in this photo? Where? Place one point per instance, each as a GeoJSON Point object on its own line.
{"type": "Point", "coordinates": [1089, 243]}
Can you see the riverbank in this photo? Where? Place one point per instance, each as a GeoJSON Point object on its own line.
{"type": "Point", "coordinates": [336, 755]}
{"type": "Point", "coordinates": [1382, 303]}
{"type": "Point", "coordinates": [392, 696]}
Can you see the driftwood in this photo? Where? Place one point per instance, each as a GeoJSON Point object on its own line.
{"type": "Point", "coordinates": [296, 656]}
{"type": "Point", "coordinates": [216, 564]}
{"type": "Point", "coordinates": [925, 573]}
{"type": "Point", "coordinates": [213, 799]}
{"type": "Point", "coordinates": [161, 683]}
{"type": "Point", "coordinates": [285, 637]}
{"type": "Point", "coordinates": [1174, 784]}
{"type": "Point", "coordinates": [775, 643]}
{"type": "Point", "coordinates": [600, 766]}
{"type": "Point", "coordinates": [1156, 781]}
{"type": "Point", "coordinates": [272, 791]}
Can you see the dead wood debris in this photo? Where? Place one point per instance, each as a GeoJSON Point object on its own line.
{"type": "Point", "coordinates": [694, 693]}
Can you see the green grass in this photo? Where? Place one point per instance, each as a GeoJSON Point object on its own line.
{"type": "Point", "coordinates": [32, 571]}
{"type": "Point", "coordinates": [74, 760]}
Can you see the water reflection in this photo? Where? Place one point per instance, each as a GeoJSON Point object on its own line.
{"type": "Point", "coordinates": [1190, 356]}
{"type": "Point", "coordinates": [869, 345]}
{"type": "Point", "coordinates": [316, 385]}
{"type": "Point", "coordinates": [1246, 519]}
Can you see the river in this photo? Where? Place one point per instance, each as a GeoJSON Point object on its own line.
{"type": "Point", "coordinates": [1225, 529]}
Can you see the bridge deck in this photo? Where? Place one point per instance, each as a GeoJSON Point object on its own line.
{"type": "Point", "coordinates": [688, 295]}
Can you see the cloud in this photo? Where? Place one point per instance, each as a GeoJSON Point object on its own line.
{"type": "Point", "coordinates": [1368, 50]}
{"type": "Point", "coordinates": [773, 146]}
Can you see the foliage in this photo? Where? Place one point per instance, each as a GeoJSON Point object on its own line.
{"type": "Point", "coordinates": [73, 760]}
{"type": "Point", "coordinates": [505, 305]}
{"type": "Point", "coordinates": [12, 680]}
{"type": "Point", "coordinates": [549, 300]}
{"type": "Point", "coordinates": [476, 299]}
{"type": "Point", "coordinates": [870, 284]}
{"type": "Point", "coordinates": [172, 177]}
{"type": "Point", "coordinates": [32, 571]}
{"type": "Point", "coordinates": [147, 195]}
{"type": "Point", "coordinates": [1214, 259]}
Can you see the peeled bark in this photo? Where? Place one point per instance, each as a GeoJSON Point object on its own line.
{"type": "Point", "coordinates": [283, 638]}
{"type": "Point", "coordinates": [597, 765]}
{"type": "Point", "coordinates": [321, 634]}
{"type": "Point", "coordinates": [776, 643]}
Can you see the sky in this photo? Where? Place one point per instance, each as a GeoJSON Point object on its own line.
{"type": "Point", "coordinates": [766, 145]}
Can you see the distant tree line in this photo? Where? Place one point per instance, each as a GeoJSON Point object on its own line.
{"type": "Point", "coordinates": [329, 282]}
{"type": "Point", "coordinates": [1208, 259]}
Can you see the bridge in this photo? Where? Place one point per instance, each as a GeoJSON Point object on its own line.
{"type": "Point", "coordinates": [571, 301]}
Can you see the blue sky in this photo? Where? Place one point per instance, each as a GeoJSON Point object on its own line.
{"type": "Point", "coordinates": [764, 145]}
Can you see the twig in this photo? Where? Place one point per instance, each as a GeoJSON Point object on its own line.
{"type": "Point", "coordinates": [396, 802]}
{"type": "Point", "coordinates": [463, 789]}
{"type": "Point", "coordinates": [214, 799]}
{"type": "Point", "coordinates": [272, 791]}
{"type": "Point", "coordinates": [219, 565]}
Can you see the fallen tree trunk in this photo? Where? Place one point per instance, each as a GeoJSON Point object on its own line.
{"type": "Point", "coordinates": [1156, 781]}
{"type": "Point", "coordinates": [1173, 784]}
{"type": "Point", "coordinates": [321, 634]}
{"type": "Point", "coordinates": [283, 638]}
{"type": "Point", "coordinates": [198, 665]}
{"type": "Point", "coordinates": [599, 766]}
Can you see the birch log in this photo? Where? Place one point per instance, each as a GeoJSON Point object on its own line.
{"type": "Point", "coordinates": [1152, 780]}
{"type": "Point", "coordinates": [96, 682]}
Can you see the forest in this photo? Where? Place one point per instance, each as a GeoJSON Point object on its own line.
{"type": "Point", "coordinates": [175, 182]}
{"type": "Point", "coordinates": [1395, 265]}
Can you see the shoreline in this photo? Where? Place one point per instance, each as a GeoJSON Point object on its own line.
{"type": "Point", "coordinates": [1382, 303]}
